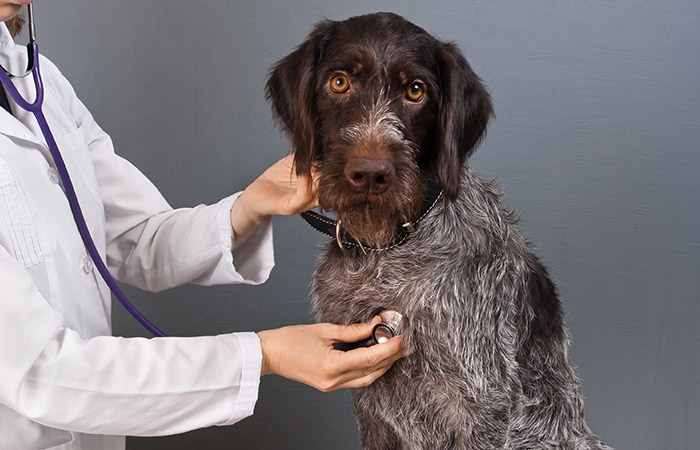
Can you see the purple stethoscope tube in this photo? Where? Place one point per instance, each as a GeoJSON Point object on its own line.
{"type": "Point", "coordinates": [35, 108]}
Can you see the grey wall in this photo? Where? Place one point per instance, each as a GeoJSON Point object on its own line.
{"type": "Point", "coordinates": [595, 142]}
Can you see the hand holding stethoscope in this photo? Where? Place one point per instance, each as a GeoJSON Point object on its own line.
{"type": "Point", "coordinates": [380, 333]}
{"type": "Point", "coordinates": [299, 352]}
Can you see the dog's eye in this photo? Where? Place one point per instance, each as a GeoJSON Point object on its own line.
{"type": "Point", "coordinates": [415, 91]}
{"type": "Point", "coordinates": [340, 83]}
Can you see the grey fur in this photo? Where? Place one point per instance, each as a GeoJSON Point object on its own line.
{"type": "Point", "coordinates": [488, 367]}
{"type": "Point", "coordinates": [460, 282]}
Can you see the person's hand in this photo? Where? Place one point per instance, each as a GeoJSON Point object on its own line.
{"type": "Point", "coordinates": [305, 353]}
{"type": "Point", "coordinates": [277, 191]}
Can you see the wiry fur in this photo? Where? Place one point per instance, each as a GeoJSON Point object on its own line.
{"type": "Point", "coordinates": [488, 367]}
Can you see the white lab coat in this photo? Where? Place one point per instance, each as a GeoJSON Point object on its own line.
{"type": "Point", "coordinates": [64, 382]}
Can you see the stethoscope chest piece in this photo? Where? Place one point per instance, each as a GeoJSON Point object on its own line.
{"type": "Point", "coordinates": [382, 332]}
{"type": "Point", "coordinates": [389, 326]}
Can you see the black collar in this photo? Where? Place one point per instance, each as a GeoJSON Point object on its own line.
{"type": "Point", "coordinates": [330, 227]}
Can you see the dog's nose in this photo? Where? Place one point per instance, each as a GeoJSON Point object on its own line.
{"type": "Point", "coordinates": [369, 175]}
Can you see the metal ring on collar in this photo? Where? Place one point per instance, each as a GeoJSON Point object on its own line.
{"type": "Point", "coordinates": [337, 234]}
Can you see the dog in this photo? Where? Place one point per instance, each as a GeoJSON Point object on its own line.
{"type": "Point", "coordinates": [389, 116]}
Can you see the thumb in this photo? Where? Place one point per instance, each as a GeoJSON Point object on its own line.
{"type": "Point", "coordinates": [356, 331]}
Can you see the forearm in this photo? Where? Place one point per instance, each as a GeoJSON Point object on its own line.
{"type": "Point", "coordinates": [181, 383]}
{"type": "Point", "coordinates": [190, 245]}
{"type": "Point", "coordinates": [112, 385]}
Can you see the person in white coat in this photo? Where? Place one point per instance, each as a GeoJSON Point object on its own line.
{"type": "Point", "coordinates": [65, 382]}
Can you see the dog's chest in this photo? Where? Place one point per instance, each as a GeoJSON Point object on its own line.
{"type": "Point", "coordinates": [351, 288]}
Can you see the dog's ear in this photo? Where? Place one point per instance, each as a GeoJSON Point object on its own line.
{"type": "Point", "coordinates": [464, 111]}
{"type": "Point", "coordinates": [290, 88]}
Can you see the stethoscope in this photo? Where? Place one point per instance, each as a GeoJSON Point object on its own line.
{"type": "Point", "coordinates": [381, 332]}
{"type": "Point", "coordinates": [387, 328]}
{"type": "Point", "coordinates": [35, 109]}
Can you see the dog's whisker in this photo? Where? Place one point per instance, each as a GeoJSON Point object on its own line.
{"type": "Point", "coordinates": [362, 247]}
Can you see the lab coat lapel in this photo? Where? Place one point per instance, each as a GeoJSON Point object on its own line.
{"type": "Point", "coordinates": [13, 128]}
{"type": "Point", "coordinates": [14, 60]}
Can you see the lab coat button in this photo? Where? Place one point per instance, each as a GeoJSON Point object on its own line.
{"type": "Point", "coordinates": [53, 175]}
{"type": "Point", "coordinates": [87, 264]}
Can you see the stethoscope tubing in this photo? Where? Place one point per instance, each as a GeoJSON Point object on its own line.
{"type": "Point", "coordinates": [35, 108]}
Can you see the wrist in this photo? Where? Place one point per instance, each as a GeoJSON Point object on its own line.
{"type": "Point", "coordinates": [243, 220]}
{"type": "Point", "coordinates": [246, 209]}
{"type": "Point", "coordinates": [265, 367]}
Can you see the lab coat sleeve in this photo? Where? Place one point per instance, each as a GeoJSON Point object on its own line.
{"type": "Point", "coordinates": [111, 385]}
{"type": "Point", "coordinates": [149, 244]}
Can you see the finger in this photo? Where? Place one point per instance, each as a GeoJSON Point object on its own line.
{"type": "Point", "coordinates": [370, 358]}
{"type": "Point", "coordinates": [391, 353]}
{"type": "Point", "coordinates": [315, 176]}
{"type": "Point", "coordinates": [352, 333]}
{"type": "Point", "coordinates": [305, 191]}
{"type": "Point", "coordinates": [304, 194]}
{"type": "Point", "coordinates": [357, 377]}
{"type": "Point", "coordinates": [362, 378]}
{"type": "Point", "coordinates": [288, 161]}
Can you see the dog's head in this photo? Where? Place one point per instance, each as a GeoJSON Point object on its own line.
{"type": "Point", "coordinates": [382, 107]}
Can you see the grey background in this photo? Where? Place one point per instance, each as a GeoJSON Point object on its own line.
{"type": "Point", "coordinates": [595, 143]}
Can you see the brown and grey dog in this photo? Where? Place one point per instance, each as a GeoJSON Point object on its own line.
{"type": "Point", "coordinates": [388, 113]}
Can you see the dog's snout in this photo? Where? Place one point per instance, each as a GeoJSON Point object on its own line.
{"type": "Point", "coordinates": [369, 175]}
